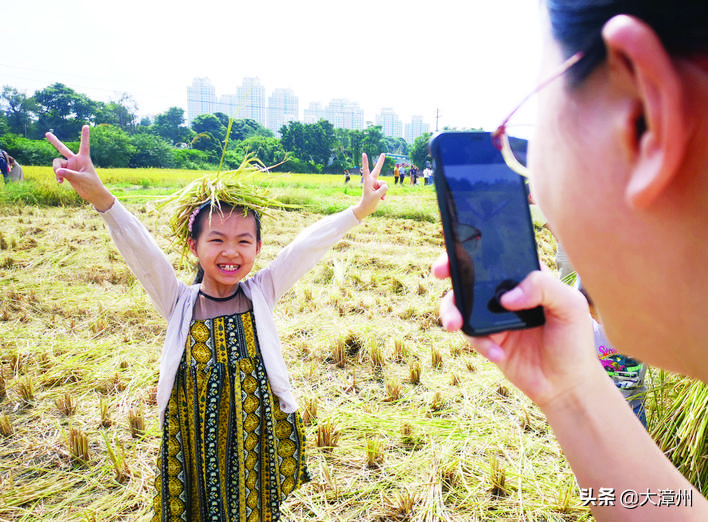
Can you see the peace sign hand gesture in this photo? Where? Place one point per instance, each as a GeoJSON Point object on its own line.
{"type": "Point", "coordinates": [78, 169]}
{"type": "Point", "coordinates": [373, 191]}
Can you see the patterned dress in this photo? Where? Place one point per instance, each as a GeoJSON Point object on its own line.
{"type": "Point", "coordinates": [228, 452]}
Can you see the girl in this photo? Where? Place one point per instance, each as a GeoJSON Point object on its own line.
{"type": "Point", "coordinates": [619, 166]}
{"type": "Point", "coordinates": [232, 443]}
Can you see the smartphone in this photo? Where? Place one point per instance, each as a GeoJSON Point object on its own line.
{"type": "Point", "coordinates": [489, 234]}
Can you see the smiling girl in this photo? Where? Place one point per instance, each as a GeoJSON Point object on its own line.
{"type": "Point", "coordinates": [232, 439]}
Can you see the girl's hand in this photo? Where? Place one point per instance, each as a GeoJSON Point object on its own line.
{"type": "Point", "coordinates": [373, 190]}
{"type": "Point", "coordinates": [78, 169]}
{"type": "Point", "coordinates": [544, 362]}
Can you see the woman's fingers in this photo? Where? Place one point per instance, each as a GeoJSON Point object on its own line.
{"type": "Point", "coordinates": [563, 302]}
{"type": "Point", "coordinates": [441, 267]}
{"type": "Point", "coordinates": [450, 316]}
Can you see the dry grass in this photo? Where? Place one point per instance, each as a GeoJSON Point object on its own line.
{"type": "Point", "coordinates": [403, 421]}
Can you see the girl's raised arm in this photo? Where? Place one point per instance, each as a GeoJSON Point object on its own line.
{"type": "Point", "coordinates": [78, 169]}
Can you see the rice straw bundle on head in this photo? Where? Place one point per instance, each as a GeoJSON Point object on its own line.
{"type": "Point", "coordinates": [234, 188]}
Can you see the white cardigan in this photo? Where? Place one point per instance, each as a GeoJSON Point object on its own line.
{"type": "Point", "coordinates": [174, 299]}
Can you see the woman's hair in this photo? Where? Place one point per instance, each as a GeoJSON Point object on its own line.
{"type": "Point", "coordinates": [682, 26]}
{"type": "Point", "coordinates": [203, 213]}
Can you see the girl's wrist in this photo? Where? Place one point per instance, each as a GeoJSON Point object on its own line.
{"type": "Point", "coordinates": [104, 201]}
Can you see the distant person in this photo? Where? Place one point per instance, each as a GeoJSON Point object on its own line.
{"type": "Point", "coordinates": [347, 177]}
{"type": "Point", "coordinates": [15, 173]}
{"type": "Point", "coordinates": [414, 175]}
{"type": "Point", "coordinates": [402, 173]}
{"type": "Point", "coordinates": [232, 438]}
{"type": "Point", "coordinates": [396, 174]}
{"type": "Point", "coordinates": [427, 176]}
{"type": "Point", "coordinates": [4, 165]}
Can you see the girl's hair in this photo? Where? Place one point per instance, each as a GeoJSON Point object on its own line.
{"type": "Point", "coordinates": [204, 212]}
{"type": "Point", "coordinates": [682, 26]}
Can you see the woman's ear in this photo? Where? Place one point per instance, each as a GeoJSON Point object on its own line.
{"type": "Point", "coordinates": [653, 129]}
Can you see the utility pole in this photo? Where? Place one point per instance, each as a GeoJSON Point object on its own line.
{"type": "Point", "coordinates": [437, 118]}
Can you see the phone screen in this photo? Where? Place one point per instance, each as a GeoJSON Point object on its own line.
{"type": "Point", "coordinates": [488, 230]}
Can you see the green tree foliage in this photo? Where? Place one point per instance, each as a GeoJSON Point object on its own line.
{"type": "Point", "coordinates": [418, 153]}
{"type": "Point", "coordinates": [373, 143]}
{"type": "Point", "coordinates": [30, 152]}
{"type": "Point", "coordinates": [171, 126]}
{"type": "Point", "coordinates": [152, 151]}
{"type": "Point", "coordinates": [311, 142]}
{"type": "Point", "coordinates": [396, 145]}
{"type": "Point", "coordinates": [268, 150]}
{"type": "Point", "coordinates": [209, 144]}
{"type": "Point", "coordinates": [192, 159]}
{"type": "Point", "coordinates": [245, 128]}
{"type": "Point", "coordinates": [121, 113]}
{"type": "Point", "coordinates": [19, 111]}
{"type": "Point", "coordinates": [111, 147]}
{"type": "Point", "coordinates": [63, 110]}
{"type": "Point", "coordinates": [209, 123]}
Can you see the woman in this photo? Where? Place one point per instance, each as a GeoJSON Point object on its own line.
{"type": "Point", "coordinates": [619, 165]}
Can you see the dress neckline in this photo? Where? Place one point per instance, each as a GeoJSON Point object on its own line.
{"type": "Point", "coordinates": [221, 299]}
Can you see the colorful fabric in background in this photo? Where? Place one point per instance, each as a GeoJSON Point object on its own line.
{"type": "Point", "coordinates": [627, 373]}
{"type": "Point", "coordinates": [228, 452]}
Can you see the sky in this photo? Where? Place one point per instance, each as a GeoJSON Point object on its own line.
{"type": "Point", "coordinates": [456, 63]}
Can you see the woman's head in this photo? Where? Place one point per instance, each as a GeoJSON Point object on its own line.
{"type": "Point", "coordinates": [682, 26]}
{"type": "Point", "coordinates": [225, 241]}
{"type": "Point", "coordinates": [619, 163]}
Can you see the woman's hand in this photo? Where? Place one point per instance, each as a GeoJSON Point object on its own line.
{"type": "Point", "coordinates": [544, 362]}
{"type": "Point", "coordinates": [78, 169]}
{"type": "Point", "coordinates": [373, 190]}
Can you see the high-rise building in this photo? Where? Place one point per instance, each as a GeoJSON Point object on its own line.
{"type": "Point", "coordinates": [201, 98]}
{"type": "Point", "coordinates": [415, 128]}
{"type": "Point", "coordinates": [390, 124]}
{"type": "Point", "coordinates": [344, 114]}
{"type": "Point", "coordinates": [228, 104]}
{"type": "Point", "coordinates": [314, 113]}
{"type": "Point", "coordinates": [283, 107]}
{"type": "Point", "coordinates": [251, 100]}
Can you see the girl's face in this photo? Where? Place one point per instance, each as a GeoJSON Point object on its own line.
{"type": "Point", "coordinates": [226, 249]}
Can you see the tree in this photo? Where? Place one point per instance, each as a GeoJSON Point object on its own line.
{"type": "Point", "coordinates": [19, 110]}
{"type": "Point", "coordinates": [111, 147]}
{"type": "Point", "coordinates": [211, 124]}
{"type": "Point", "coordinates": [313, 142]}
{"type": "Point", "coordinates": [63, 110]}
{"type": "Point", "coordinates": [245, 128]}
{"type": "Point", "coordinates": [293, 138]}
{"type": "Point", "coordinates": [121, 113]}
{"type": "Point", "coordinates": [268, 151]}
{"type": "Point", "coordinates": [171, 126]}
{"type": "Point", "coordinates": [396, 145]}
{"type": "Point", "coordinates": [320, 141]}
{"type": "Point", "coordinates": [208, 143]}
{"type": "Point", "coordinates": [418, 153]}
{"type": "Point", "coordinates": [373, 143]}
{"type": "Point", "coordinates": [152, 151]}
